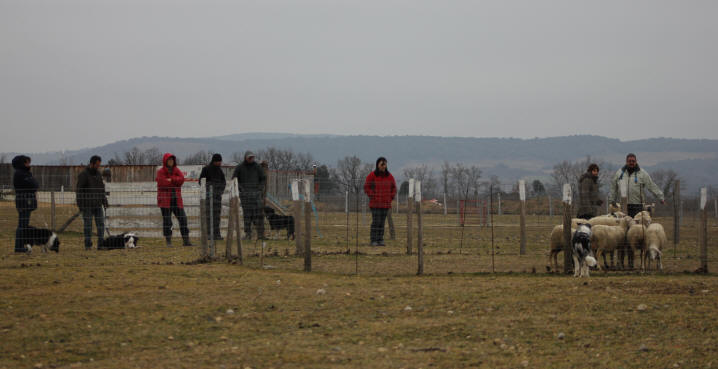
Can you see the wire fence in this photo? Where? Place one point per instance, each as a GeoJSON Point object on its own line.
{"type": "Point", "coordinates": [480, 233]}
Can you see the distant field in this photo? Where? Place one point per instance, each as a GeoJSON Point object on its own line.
{"type": "Point", "coordinates": [154, 307]}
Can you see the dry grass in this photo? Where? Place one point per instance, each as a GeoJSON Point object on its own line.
{"type": "Point", "coordinates": [150, 307]}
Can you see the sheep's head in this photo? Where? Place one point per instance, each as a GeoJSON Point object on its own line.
{"type": "Point", "coordinates": [615, 209]}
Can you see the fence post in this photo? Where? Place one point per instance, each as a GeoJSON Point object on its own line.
{"type": "Point", "coordinates": [392, 231]}
{"type": "Point", "coordinates": [498, 198]}
{"type": "Point", "coordinates": [445, 210]}
{"type": "Point", "coordinates": [298, 217]}
{"type": "Point", "coordinates": [210, 218]}
{"type": "Point", "coordinates": [203, 218]}
{"type": "Point", "coordinates": [522, 198]}
{"type": "Point", "coordinates": [491, 214]}
{"type": "Point", "coordinates": [238, 215]}
{"type": "Point", "coordinates": [409, 210]}
{"type": "Point", "coordinates": [346, 210]}
{"type": "Point", "coordinates": [676, 215]}
{"type": "Point", "coordinates": [52, 210]}
{"type": "Point", "coordinates": [307, 227]}
{"type": "Point", "coordinates": [567, 250]}
{"type": "Point", "coordinates": [550, 207]}
{"type": "Point", "coordinates": [230, 226]}
{"type": "Point", "coordinates": [420, 229]}
{"type": "Point", "coordinates": [703, 229]}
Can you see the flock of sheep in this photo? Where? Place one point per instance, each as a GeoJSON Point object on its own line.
{"type": "Point", "coordinates": [616, 232]}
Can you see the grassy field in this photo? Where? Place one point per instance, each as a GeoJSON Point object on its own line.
{"type": "Point", "coordinates": [155, 307]}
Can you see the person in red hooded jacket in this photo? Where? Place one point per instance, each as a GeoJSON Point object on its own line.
{"type": "Point", "coordinates": [169, 198]}
{"type": "Point", "coordinates": [380, 186]}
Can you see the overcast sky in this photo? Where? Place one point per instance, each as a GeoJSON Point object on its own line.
{"type": "Point", "coordinates": [76, 74]}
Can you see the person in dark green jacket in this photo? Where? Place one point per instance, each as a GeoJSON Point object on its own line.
{"type": "Point", "coordinates": [216, 182]}
{"type": "Point", "coordinates": [25, 187]}
{"type": "Point", "coordinates": [92, 199]}
{"type": "Point", "coordinates": [251, 179]}
{"type": "Point", "coordinates": [588, 200]}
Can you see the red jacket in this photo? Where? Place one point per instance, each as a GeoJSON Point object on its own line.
{"type": "Point", "coordinates": [167, 182]}
{"type": "Point", "coordinates": [381, 190]}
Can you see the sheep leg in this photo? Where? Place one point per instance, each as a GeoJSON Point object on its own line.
{"type": "Point", "coordinates": [575, 266]}
{"type": "Point", "coordinates": [631, 255]}
{"type": "Point", "coordinates": [600, 253]}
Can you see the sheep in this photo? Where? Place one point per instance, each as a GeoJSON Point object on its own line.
{"type": "Point", "coordinates": [608, 219]}
{"type": "Point", "coordinates": [606, 238]}
{"type": "Point", "coordinates": [557, 244]}
{"type": "Point", "coordinates": [636, 236]}
{"type": "Point", "coordinates": [655, 240]}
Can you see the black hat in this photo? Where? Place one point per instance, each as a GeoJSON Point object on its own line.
{"type": "Point", "coordinates": [216, 157]}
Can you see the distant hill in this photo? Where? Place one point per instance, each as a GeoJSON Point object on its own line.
{"type": "Point", "coordinates": [509, 158]}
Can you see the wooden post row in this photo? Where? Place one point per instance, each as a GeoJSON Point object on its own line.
{"type": "Point", "coordinates": [307, 227]}
{"type": "Point", "coordinates": [703, 236]}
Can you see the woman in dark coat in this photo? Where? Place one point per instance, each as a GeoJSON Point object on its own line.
{"type": "Point", "coordinates": [380, 186]}
{"type": "Point", "coordinates": [588, 200]}
{"type": "Point", "coordinates": [25, 196]}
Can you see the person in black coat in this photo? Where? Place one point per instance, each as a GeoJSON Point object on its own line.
{"type": "Point", "coordinates": [25, 196]}
{"type": "Point", "coordinates": [216, 182]}
{"type": "Point", "coordinates": [251, 179]}
{"type": "Point", "coordinates": [92, 199]}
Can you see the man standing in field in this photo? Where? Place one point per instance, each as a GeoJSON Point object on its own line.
{"type": "Point", "coordinates": [634, 179]}
{"type": "Point", "coordinates": [91, 198]}
{"type": "Point", "coordinates": [251, 179]}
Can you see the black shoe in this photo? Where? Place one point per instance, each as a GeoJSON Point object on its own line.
{"type": "Point", "coordinates": [381, 243]}
{"type": "Point", "coordinates": [219, 238]}
{"type": "Point", "coordinates": [22, 251]}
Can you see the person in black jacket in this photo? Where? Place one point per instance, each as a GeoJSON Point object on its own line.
{"type": "Point", "coordinates": [25, 196]}
{"type": "Point", "coordinates": [216, 182]}
{"type": "Point", "coordinates": [92, 199]}
{"type": "Point", "coordinates": [251, 179]}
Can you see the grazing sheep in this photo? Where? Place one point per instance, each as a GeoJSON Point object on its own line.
{"type": "Point", "coordinates": [557, 244]}
{"type": "Point", "coordinates": [606, 238]}
{"type": "Point", "coordinates": [655, 241]}
{"type": "Point", "coordinates": [627, 250]}
{"type": "Point", "coordinates": [635, 239]}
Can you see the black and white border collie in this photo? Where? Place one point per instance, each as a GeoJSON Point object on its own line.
{"type": "Point", "coordinates": [46, 238]}
{"type": "Point", "coordinates": [277, 221]}
{"type": "Point", "coordinates": [582, 253]}
{"type": "Point", "coordinates": [120, 241]}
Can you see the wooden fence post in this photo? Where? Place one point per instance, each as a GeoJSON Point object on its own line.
{"type": "Point", "coordinates": [52, 210]}
{"type": "Point", "coordinates": [409, 222]}
{"type": "Point", "coordinates": [676, 215]}
{"type": "Point", "coordinates": [420, 229]}
{"type": "Point", "coordinates": [203, 218]}
{"type": "Point", "coordinates": [703, 229]}
{"type": "Point", "coordinates": [392, 231]}
{"type": "Point", "coordinates": [210, 222]}
{"type": "Point", "coordinates": [307, 227]}
{"type": "Point", "coordinates": [298, 217]}
{"type": "Point", "coordinates": [522, 198]}
{"type": "Point", "coordinates": [567, 250]}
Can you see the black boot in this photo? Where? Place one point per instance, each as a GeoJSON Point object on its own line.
{"type": "Point", "coordinates": [168, 241]}
{"type": "Point", "coordinates": [186, 241]}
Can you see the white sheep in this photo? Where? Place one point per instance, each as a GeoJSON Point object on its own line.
{"type": "Point", "coordinates": [655, 241]}
{"type": "Point", "coordinates": [606, 238]}
{"type": "Point", "coordinates": [556, 246]}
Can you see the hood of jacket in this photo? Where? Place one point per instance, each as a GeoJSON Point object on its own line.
{"type": "Point", "coordinates": [18, 162]}
{"type": "Point", "coordinates": [629, 171]}
{"type": "Point", "coordinates": [166, 157]}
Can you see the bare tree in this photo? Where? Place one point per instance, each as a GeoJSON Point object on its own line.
{"type": "Point", "coordinates": [304, 162]}
{"type": "Point", "coordinates": [566, 172]}
{"type": "Point", "coordinates": [134, 156]}
{"type": "Point", "coordinates": [665, 180]}
{"type": "Point", "coordinates": [349, 174]}
{"type": "Point", "coordinates": [466, 180]}
{"type": "Point", "coordinates": [153, 156]}
{"type": "Point", "coordinates": [201, 157]}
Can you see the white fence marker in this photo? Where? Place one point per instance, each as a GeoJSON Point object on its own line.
{"type": "Point", "coordinates": [522, 190]}
{"type": "Point", "coordinates": [567, 193]}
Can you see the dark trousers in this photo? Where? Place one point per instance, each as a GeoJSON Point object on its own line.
{"type": "Point", "coordinates": [167, 221]}
{"type": "Point", "coordinates": [634, 209]}
{"type": "Point", "coordinates": [585, 216]}
{"type": "Point", "coordinates": [253, 214]}
{"type": "Point", "coordinates": [215, 213]}
{"type": "Point", "coordinates": [378, 219]}
{"type": "Point", "coordinates": [23, 220]}
{"type": "Point", "coordinates": [87, 215]}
